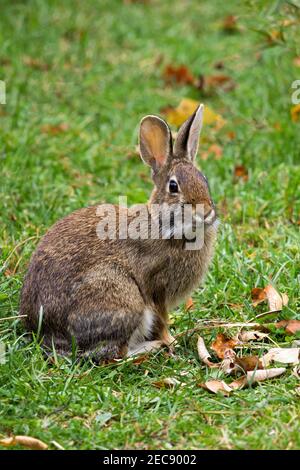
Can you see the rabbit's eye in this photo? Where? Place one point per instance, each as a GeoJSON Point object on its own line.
{"type": "Point", "coordinates": [173, 187]}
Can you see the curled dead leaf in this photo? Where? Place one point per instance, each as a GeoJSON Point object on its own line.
{"type": "Point", "coordinates": [25, 441]}
{"type": "Point", "coordinates": [204, 354]}
{"type": "Point", "coordinates": [264, 374]}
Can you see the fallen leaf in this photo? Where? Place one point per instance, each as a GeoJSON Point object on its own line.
{"type": "Point", "coordinates": [291, 326]}
{"type": "Point", "coordinates": [212, 83]}
{"type": "Point", "coordinates": [249, 363]}
{"type": "Point", "coordinates": [274, 37]}
{"type": "Point", "coordinates": [295, 113]}
{"type": "Point", "coordinates": [215, 150]}
{"type": "Point", "coordinates": [255, 376]}
{"type": "Point", "coordinates": [246, 336]}
{"type": "Point", "coordinates": [231, 135]}
{"type": "Point", "coordinates": [216, 386]}
{"type": "Point", "coordinates": [178, 74]}
{"type": "Point", "coordinates": [36, 64]}
{"type": "Point", "coordinates": [186, 107]}
{"type": "Point", "coordinates": [189, 304]}
{"type": "Point", "coordinates": [54, 130]}
{"type": "Point", "coordinates": [275, 300]}
{"type": "Point", "coordinates": [204, 354]}
{"type": "Point", "coordinates": [283, 355]}
{"type": "Point", "coordinates": [261, 375]}
{"type": "Point", "coordinates": [229, 24]}
{"type": "Point", "coordinates": [222, 343]}
{"type": "Point", "coordinates": [296, 61]}
{"type": "Point", "coordinates": [25, 441]}
{"type": "Point", "coordinates": [168, 382]}
{"type": "Point", "coordinates": [140, 359]}
{"type": "Point", "coordinates": [240, 172]}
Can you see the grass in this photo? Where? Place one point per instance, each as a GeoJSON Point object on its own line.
{"type": "Point", "coordinates": [97, 67]}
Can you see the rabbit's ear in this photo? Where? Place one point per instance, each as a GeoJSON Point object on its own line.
{"type": "Point", "coordinates": [187, 141]}
{"type": "Point", "coordinates": [155, 141]}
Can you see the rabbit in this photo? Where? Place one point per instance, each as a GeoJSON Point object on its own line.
{"type": "Point", "coordinates": [111, 297]}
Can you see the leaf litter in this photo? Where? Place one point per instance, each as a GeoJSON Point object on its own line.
{"type": "Point", "coordinates": [249, 369]}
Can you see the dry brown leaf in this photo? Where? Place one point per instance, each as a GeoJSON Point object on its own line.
{"type": "Point", "coordinates": [231, 135]}
{"type": "Point", "coordinates": [229, 24]}
{"type": "Point", "coordinates": [275, 300]}
{"type": "Point", "coordinates": [234, 364]}
{"type": "Point", "coordinates": [36, 64]}
{"type": "Point", "coordinates": [249, 363]}
{"type": "Point", "coordinates": [25, 441]}
{"type": "Point", "coordinates": [140, 359]}
{"type": "Point", "coordinates": [296, 61]}
{"type": "Point", "coordinates": [178, 74]}
{"type": "Point", "coordinates": [216, 386]}
{"type": "Point", "coordinates": [251, 378]}
{"type": "Point", "coordinates": [240, 172]}
{"type": "Point", "coordinates": [168, 382]}
{"type": "Point", "coordinates": [283, 355]}
{"type": "Point", "coordinates": [189, 304]}
{"type": "Point", "coordinates": [215, 150]}
{"type": "Point", "coordinates": [255, 335]}
{"type": "Point", "coordinates": [222, 343]}
{"type": "Point", "coordinates": [54, 130]}
{"type": "Point", "coordinates": [212, 83]}
{"type": "Point", "coordinates": [203, 353]}
{"type": "Point", "coordinates": [291, 326]}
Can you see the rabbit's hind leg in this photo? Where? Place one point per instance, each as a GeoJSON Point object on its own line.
{"type": "Point", "coordinates": [107, 312]}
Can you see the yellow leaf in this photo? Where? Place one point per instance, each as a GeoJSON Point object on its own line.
{"type": "Point", "coordinates": [185, 109]}
{"type": "Point", "coordinates": [295, 112]}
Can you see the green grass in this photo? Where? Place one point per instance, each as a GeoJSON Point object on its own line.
{"type": "Point", "coordinates": [99, 70]}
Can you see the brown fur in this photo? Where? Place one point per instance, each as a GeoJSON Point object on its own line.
{"type": "Point", "coordinates": [96, 291]}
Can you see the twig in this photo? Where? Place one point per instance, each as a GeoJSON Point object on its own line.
{"type": "Point", "coordinates": [12, 318]}
{"type": "Point", "coordinates": [215, 324]}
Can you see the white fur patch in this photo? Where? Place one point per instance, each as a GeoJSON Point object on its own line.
{"type": "Point", "coordinates": [142, 331]}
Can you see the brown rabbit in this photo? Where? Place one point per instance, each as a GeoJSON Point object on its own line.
{"type": "Point", "coordinates": [111, 296]}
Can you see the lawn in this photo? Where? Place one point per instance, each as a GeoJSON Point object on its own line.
{"type": "Point", "coordinates": [79, 77]}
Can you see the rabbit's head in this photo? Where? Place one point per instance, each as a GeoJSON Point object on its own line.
{"type": "Point", "coordinates": [176, 178]}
